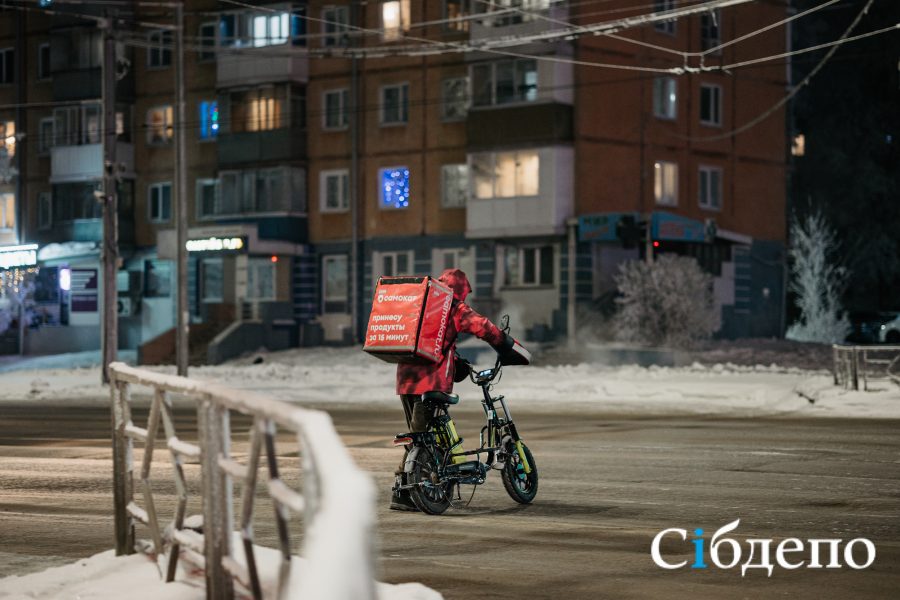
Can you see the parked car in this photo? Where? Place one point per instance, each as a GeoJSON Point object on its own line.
{"type": "Point", "coordinates": [889, 332]}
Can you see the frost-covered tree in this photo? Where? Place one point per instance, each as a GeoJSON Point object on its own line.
{"type": "Point", "coordinates": [818, 282]}
{"type": "Point", "coordinates": [15, 297]}
{"type": "Point", "coordinates": [668, 302]}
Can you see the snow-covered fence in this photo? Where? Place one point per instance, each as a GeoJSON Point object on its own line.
{"type": "Point", "coordinates": [337, 503]}
{"type": "Point", "coordinates": [866, 363]}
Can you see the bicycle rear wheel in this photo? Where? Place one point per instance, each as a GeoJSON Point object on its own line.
{"type": "Point", "coordinates": [429, 494]}
{"type": "Point", "coordinates": [521, 486]}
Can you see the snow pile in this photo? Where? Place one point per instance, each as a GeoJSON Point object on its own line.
{"type": "Point", "coordinates": [329, 376]}
{"type": "Point", "coordinates": [107, 577]}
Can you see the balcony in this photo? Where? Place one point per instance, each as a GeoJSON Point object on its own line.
{"type": "Point", "coordinates": [283, 144]}
{"type": "Point", "coordinates": [503, 126]}
{"type": "Point", "coordinates": [252, 66]}
{"type": "Point", "coordinates": [85, 162]}
{"type": "Point", "coordinates": [546, 196]}
{"type": "Point", "coordinates": [516, 25]}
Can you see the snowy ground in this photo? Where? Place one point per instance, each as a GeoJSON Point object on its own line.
{"type": "Point", "coordinates": [323, 376]}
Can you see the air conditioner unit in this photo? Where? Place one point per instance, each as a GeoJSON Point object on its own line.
{"type": "Point", "coordinates": [126, 307]}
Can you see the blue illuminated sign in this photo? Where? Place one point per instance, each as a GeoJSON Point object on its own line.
{"type": "Point", "coordinates": [395, 187]}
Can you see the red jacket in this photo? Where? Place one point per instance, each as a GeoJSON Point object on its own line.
{"type": "Point", "coordinates": [418, 379]}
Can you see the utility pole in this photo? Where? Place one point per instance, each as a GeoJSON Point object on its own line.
{"type": "Point", "coordinates": [182, 337]}
{"type": "Point", "coordinates": [110, 322]}
{"type": "Point", "coordinates": [354, 110]}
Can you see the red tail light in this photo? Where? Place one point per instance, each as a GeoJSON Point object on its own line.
{"type": "Point", "coordinates": [402, 441]}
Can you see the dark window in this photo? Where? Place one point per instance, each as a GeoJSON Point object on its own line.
{"type": "Point", "coordinates": [662, 6]}
{"type": "Point", "coordinates": [709, 30]}
{"type": "Point", "coordinates": [710, 105]}
{"type": "Point", "coordinates": [207, 42]}
{"type": "Point", "coordinates": [43, 71]}
{"type": "Point", "coordinates": [7, 65]}
{"type": "Point", "coordinates": [298, 26]}
{"type": "Point", "coordinates": [159, 51]}
{"type": "Point", "coordinates": [72, 201]}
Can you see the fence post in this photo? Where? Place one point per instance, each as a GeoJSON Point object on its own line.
{"type": "Point", "coordinates": [217, 502]}
{"type": "Point", "coordinates": [854, 368]}
{"type": "Point", "coordinates": [122, 465]}
{"type": "Point", "coordinates": [834, 362]}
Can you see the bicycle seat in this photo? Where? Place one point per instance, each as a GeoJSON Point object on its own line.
{"type": "Point", "coordinates": [440, 398]}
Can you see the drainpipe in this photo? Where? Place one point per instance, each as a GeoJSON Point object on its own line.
{"type": "Point", "coordinates": [354, 109]}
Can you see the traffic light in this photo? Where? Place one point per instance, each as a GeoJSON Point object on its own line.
{"type": "Point", "coordinates": [630, 231]}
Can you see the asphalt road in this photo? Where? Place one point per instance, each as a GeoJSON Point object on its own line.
{"type": "Point", "coordinates": [608, 485]}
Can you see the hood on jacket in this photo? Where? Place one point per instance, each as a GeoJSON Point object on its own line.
{"type": "Point", "coordinates": [457, 281]}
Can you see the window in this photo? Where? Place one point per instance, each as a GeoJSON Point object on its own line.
{"type": "Point", "coordinates": [664, 26]}
{"type": "Point", "coordinates": [206, 197]}
{"type": "Point", "coordinates": [455, 15]}
{"type": "Point", "coordinates": [75, 201]}
{"type": "Point", "coordinates": [260, 279]}
{"type": "Point", "coordinates": [665, 97]}
{"type": "Point", "coordinates": [7, 65]}
{"type": "Point", "coordinates": [395, 19]}
{"type": "Point", "coordinates": [505, 82]}
{"type": "Point", "coordinates": [710, 105]}
{"type": "Point", "coordinates": [159, 49]}
{"type": "Point", "coordinates": [665, 183]}
{"type": "Point", "coordinates": [259, 109]}
{"type": "Point", "coordinates": [278, 189]}
{"type": "Point", "coordinates": [454, 98]}
{"type": "Point", "coordinates": [335, 24]}
{"type": "Point", "coordinates": [394, 187]}
{"type": "Point", "coordinates": [510, 12]}
{"type": "Point", "coordinates": [45, 136]}
{"type": "Point", "coordinates": [711, 188]}
{"type": "Point", "coordinates": [710, 36]}
{"type": "Point", "coordinates": [506, 174]}
{"type": "Point", "coordinates": [209, 119]}
{"type": "Point", "coordinates": [45, 210]}
{"type": "Point", "coordinates": [454, 185]}
{"type": "Point", "coordinates": [211, 281]}
{"type": "Point", "coordinates": [335, 114]}
{"type": "Point", "coordinates": [335, 283]}
{"type": "Point", "coordinates": [157, 278]}
{"type": "Point", "coordinates": [7, 211]}
{"type": "Point", "coordinates": [159, 125]}
{"type": "Point", "coordinates": [394, 263]}
{"type": "Point", "coordinates": [43, 66]}
{"type": "Point", "coordinates": [395, 104]}
{"type": "Point", "coordinates": [334, 190]}
{"type": "Point", "coordinates": [207, 41]}
{"type": "Point", "coordinates": [256, 29]}
{"type": "Point", "coordinates": [271, 29]}
{"type": "Point", "coordinates": [528, 266]}
{"type": "Point", "coordinates": [159, 202]}
{"type": "Point", "coordinates": [8, 138]}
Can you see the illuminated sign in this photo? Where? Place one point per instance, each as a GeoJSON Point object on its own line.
{"type": "Point", "coordinates": [214, 244]}
{"type": "Point", "coordinates": [12, 257]}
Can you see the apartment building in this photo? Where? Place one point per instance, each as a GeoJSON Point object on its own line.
{"type": "Point", "coordinates": [483, 160]}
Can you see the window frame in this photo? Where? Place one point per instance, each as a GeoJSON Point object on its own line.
{"type": "Point", "coordinates": [204, 298]}
{"type": "Point", "coordinates": [659, 181]}
{"type": "Point", "coordinates": [203, 54]}
{"type": "Point", "coordinates": [199, 183]}
{"type": "Point", "coordinates": [514, 63]}
{"type": "Point", "coordinates": [403, 107]}
{"type": "Point", "coordinates": [394, 255]}
{"type": "Point", "coordinates": [465, 187]}
{"type": "Point", "coordinates": [334, 38]}
{"type": "Point", "coordinates": [711, 21]}
{"type": "Point", "coordinates": [495, 176]}
{"type": "Point", "coordinates": [343, 176]}
{"type": "Point", "coordinates": [705, 189]}
{"type": "Point", "coordinates": [44, 142]}
{"type": "Point", "coordinates": [254, 265]}
{"type": "Point", "coordinates": [43, 67]}
{"type": "Point", "coordinates": [466, 100]}
{"type": "Point", "coordinates": [404, 16]}
{"type": "Point", "coordinates": [343, 95]}
{"type": "Point", "coordinates": [662, 98]}
{"type": "Point", "coordinates": [520, 251]}
{"type": "Point", "coordinates": [157, 40]}
{"type": "Point", "coordinates": [168, 112]}
{"type": "Point", "coordinates": [716, 106]}
{"type": "Point", "coordinates": [665, 27]}
{"type": "Point", "coordinates": [461, 26]}
{"type": "Point", "coordinates": [159, 185]}
{"type": "Point", "coordinates": [326, 300]}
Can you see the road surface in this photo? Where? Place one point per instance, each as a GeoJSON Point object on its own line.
{"type": "Point", "coordinates": [608, 485]}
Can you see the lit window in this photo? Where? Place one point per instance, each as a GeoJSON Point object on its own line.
{"type": "Point", "coordinates": [394, 187]}
{"type": "Point", "coordinates": [7, 211]}
{"type": "Point", "coordinates": [7, 65]}
{"type": "Point", "coordinates": [160, 125]}
{"type": "Point", "coordinates": [454, 98]}
{"type": "Point", "coordinates": [270, 30]}
{"type": "Point", "coordinates": [528, 266]}
{"type": "Point", "coordinates": [335, 24]}
{"type": "Point", "coordinates": [665, 97]}
{"type": "Point", "coordinates": [335, 114]}
{"type": "Point", "coordinates": [209, 119]}
{"type": "Point", "coordinates": [505, 82]}
{"type": "Point", "coordinates": [711, 188]}
{"type": "Point", "coordinates": [260, 109]}
{"type": "Point", "coordinates": [334, 190]}
{"type": "Point", "coordinates": [394, 19]}
{"type": "Point", "coordinates": [8, 138]}
{"type": "Point", "coordinates": [506, 174]}
{"type": "Point", "coordinates": [260, 279]}
{"type": "Point", "coordinates": [455, 13]}
{"type": "Point", "coordinates": [665, 183]}
{"type": "Point", "coordinates": [159, 201]}
{"type": "Point", "coordinates": [335, 283]}
{"type": "Point", "coordinates": [710, 105]}
{"type": "Point", "coordinates": [798, 146]}
{"type": "Point", "coordinates": [395, 104]}
{"type": "Point", "coordinates": [159, 50]}
{"type": "Point", "coordinates": [454, 185]}
{"type": "Point", "coordinates": [710, 36]}
{"type": "Point", "coordinates": [664, 26]}
{"type": "Point", "coordinates": [207, 50]}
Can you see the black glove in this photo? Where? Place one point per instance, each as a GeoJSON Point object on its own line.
{"type": "Point", "coordinates": [461, 369]}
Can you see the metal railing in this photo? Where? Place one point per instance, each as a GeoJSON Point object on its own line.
{"type": "Point", "coordinates": [867, 363]}
{"type": "Point", "coordinates": [337, 503]}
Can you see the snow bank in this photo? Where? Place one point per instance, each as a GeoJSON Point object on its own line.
{"type": "Point", "coordinates": [323, 376]}
{"type": "Point", "coordinates": [107, 577]}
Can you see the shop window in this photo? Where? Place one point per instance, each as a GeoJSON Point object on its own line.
{"type": "Point", "coordinates": [454, 185]}
{"type": "Point", "coordinates": [665, 183]}
{"type": "Point", "coordinates": [506, 174]}
{"type": "Point", "coordinates": [260, 279]}
{"type": "Point", "coordinates": [394, 183]}
{"type": "Point", "coordinates": [335, 283]}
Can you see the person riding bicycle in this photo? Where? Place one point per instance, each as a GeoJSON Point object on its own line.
{"type": "Point", "coordinates": [413, 380]}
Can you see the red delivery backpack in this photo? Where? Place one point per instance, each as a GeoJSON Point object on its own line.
{"type": "Point", "coordinates": [409, 320]}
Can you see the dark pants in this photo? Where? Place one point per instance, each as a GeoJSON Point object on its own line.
{"type": "Point", "coordinates": [417, 414]}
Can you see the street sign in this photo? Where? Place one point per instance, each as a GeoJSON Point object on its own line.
{"type": "Point", "coordinates": [668, 226]}
{"type": "Point", "coordinates": [601, 227]}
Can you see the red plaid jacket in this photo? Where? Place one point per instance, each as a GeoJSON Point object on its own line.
{"type": "Point", "coordinates": [418, 379]}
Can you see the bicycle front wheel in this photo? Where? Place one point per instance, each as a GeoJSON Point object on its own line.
{"type": "Point", "coordinates": [521, 486]}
